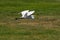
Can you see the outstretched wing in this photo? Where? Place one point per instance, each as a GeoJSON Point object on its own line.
{"type": "Point", "coordinates": [24, 13]}
{"type": "Point", "coordinates": [30, 13]}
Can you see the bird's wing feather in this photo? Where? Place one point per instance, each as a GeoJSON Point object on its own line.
{"type": "Point", "coordinates": [24, 12]}
{"type": "Point", "coordinates": [30, 13]}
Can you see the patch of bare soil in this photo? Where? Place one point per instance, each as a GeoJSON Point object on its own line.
{"type": "Point", "coordinates": [46, 21]}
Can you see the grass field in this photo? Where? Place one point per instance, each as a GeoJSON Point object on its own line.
{"type": "Point", "coordinates": [45, 26]}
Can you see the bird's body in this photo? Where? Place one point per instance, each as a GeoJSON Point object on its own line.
{"type": "Point", "coordinates": [24, 13]}
{"type": "Point", "coordinates": [27, 14]}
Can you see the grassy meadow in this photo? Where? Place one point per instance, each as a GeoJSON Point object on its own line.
{"type": "Point", "coordinates": [45, 26]}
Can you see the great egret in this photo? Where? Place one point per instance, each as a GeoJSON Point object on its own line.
{"type": "Point", "coordinates": [27, 14]}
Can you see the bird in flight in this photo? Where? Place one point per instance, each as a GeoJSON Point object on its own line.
{"type": "Point", "coordinates": [26, 14]}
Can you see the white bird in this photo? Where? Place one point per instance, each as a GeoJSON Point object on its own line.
{"type": "Point", "coordinates": [27, 14]}
{"type": "Point", "coordinates": [30, 14]}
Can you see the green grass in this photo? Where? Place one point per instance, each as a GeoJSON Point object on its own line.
{"type": "Point", "coordinates": [41, 7]}
{"type": "Point", "coordinates": [46, 25]}
{"type": "Point", "coordinates": [24, 32]}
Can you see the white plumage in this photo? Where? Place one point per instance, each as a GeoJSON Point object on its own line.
{"type": "Point", "coordinates": [24, 13]}
{"type": "Point", "coordinates": [27, 14]}
{"type": "Point", "coordinates": [30, 13]}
